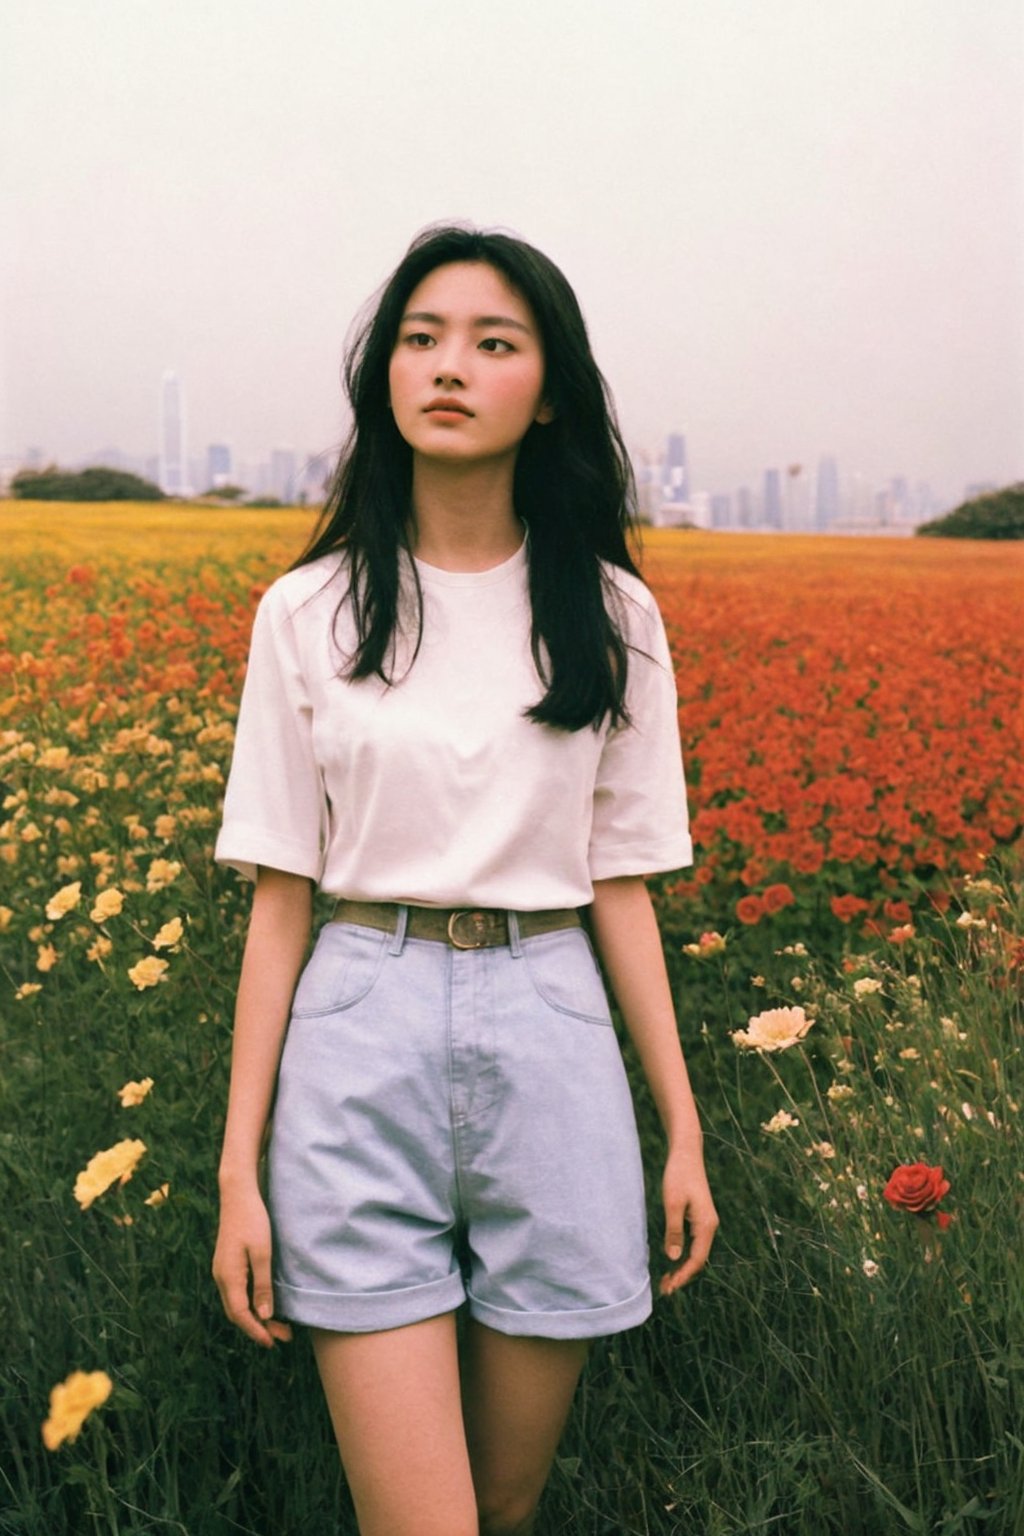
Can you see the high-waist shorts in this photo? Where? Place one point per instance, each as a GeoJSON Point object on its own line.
{"type": "Point", "coordinates": [456, 1126]}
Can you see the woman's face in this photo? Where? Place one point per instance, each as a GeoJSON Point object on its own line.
{"type": "Point", "coordinates": [466, 377]}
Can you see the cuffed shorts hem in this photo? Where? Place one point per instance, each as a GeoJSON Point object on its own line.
{"type": "Point", "coordinates": [371, 1313]}
{"type": "Point", "coordinates": [585, 1323]}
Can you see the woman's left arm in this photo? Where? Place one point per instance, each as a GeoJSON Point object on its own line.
{"type": "Point", "coordinates": [629, 945]}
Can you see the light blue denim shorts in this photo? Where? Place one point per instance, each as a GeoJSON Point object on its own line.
{"type": "Point", "coordinates": [456, 1126]}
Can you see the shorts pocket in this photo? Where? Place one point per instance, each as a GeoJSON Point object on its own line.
{"type": "Point", "coordinates": [565, 975]}
{"type": "Point", "coordinates": [342, 969]}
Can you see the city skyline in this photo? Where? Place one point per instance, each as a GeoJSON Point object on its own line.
{"type": "Point", "coordinates": [797, 497]}
{"type": "Point", "coordinates": [759, 208]}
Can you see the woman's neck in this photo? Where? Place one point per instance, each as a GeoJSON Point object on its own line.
{"type": "Point", "coordinates": [463, 516]}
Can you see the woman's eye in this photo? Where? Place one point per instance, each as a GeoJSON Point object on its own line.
{"type": "Point", "coordinates": [496, 344]}
{"type": "Point", "coordinates": [420, 339]}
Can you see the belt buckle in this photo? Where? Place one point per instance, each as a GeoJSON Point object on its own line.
{"type": "Point", "coordinates": [479, 924]}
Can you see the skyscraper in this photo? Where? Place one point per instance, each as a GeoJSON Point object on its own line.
{"type": "Point", "coordinates": [675, 471]}
{"type": "Point", "coordinates": [218, 465]}
{"type": "Point", "coordinates": [772, 516]}
{"type": "Point", "coordinates": [282, 474]}
{"type": "Point", "coordinates": [826, 501]}
{"type": "Point", "coordinates": [172, 435]}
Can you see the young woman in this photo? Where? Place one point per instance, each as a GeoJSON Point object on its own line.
{"type": "Point", "coordinates": [459, 719]}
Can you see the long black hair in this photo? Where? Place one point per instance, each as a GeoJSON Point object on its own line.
{"type": "Point", "coordinates": [573, 487]}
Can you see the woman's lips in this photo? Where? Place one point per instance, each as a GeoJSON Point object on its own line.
{"type": "Point", "coordinates": [447, 408]}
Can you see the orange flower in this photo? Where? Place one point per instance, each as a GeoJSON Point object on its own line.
{"type": "Point", "coordinates": [750, 909]}
{"type": "Point", "coordinates": [846, 908]}
{"type": "Point", "coordinates": [71, 1403]}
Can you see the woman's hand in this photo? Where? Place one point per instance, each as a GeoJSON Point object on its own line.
{"type": "Point", "coordinates": [688, 1203]}
{"type": "Point", "coordinates": [243, 1250]}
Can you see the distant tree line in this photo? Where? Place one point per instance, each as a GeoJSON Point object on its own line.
{"type": "Point", "coordinates": [103, 484]}
{"type": "Point", "coordinates": [996, 515]}
{"type": "Point", "coordinates": [96, 484]}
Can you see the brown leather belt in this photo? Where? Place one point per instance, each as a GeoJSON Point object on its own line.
{"type": "Point", "coordinates": [462, 927]}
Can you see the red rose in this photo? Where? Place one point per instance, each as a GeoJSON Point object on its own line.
{"type": "Point", "coordinates": [916, 1187]}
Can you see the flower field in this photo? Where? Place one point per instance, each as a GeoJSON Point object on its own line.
{"type": "Point", "coordinates": [848, 957]}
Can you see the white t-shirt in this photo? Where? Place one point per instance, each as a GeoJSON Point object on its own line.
{"type": "Point", "coordinates": [437, 791]}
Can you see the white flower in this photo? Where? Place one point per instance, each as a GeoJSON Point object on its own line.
{"type": "Point", "coordinates": [780, 1121]}
{"type": "Point", "coordinates": [865, 985]}
{"type": "Point", "coordinates": [870, 1268]}
{"type": "Point", "coordinates": [774, 1030]}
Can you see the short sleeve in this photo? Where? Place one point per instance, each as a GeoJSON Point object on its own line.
{"type": "Point", "coordinates": [274, 805]}
{"type": "Point", "coordinates": [640, 823]}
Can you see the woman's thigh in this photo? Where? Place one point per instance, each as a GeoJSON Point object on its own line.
{"type": "Point", "coordinates": [394, 1401]}
{"type": "Point", "coordinates": [517, 1392]}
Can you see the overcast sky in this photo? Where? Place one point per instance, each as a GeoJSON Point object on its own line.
{"type": "Point", "coordinates": [795, 226]}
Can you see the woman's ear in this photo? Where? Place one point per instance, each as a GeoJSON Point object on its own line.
{"type": "Point", "coordinates": [545, 414]}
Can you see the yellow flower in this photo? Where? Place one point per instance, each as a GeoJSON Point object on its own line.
{"type": "Point", "coordinates": [71, 1403]}
{"type": "Point", "coordinates": [133, 1093]}
{"type": "Point", "coordinates": [865, 985]}
{"type": "Point", "coordinates": [169, 934]}
{"type": "Point", "coordinates": [161, 873]}
{"type": "Point", "coordinates": [6, 913]}
{"type": "Point", "coordinates": [46, 958]}
{"type": "Point", "coordinates": [774, 1030]}
{"type": "Point", "coordinates": [165, 827]}
{"type": "Point", "coordinates": [28, 989]}
{"type": "Point", "coordinates": [30, 833]}
{"type": "Point", "coordinates": [66, 900]}
{"type": "Point", "coordinates": [54, 757]}
{"type": "Point", "coordinates": [99, 949]}
{"type": "Point", "coordinates": [146, 973]}
{"type": "Point", "coordinates": [780, 1121]}
{"type": "Point", "coordinates": [116, 1163]}
{"type": "Point", "coordinates": [108, 904]}
{"type": "Point", "coordinates": [158, 1196]}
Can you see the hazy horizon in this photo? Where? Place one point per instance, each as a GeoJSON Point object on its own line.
{"type": "Point", "coordinates": [794, 230]}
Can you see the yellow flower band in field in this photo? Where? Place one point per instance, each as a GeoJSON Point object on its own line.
{"type": "Point", "coordinates": [115, 1165]}
{"type": "Point", "coordinates": [774, 1030]}
{"type": "Point", "coordinates": [71, 1403]}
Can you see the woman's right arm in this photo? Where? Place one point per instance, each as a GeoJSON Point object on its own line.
{"type": "Point", "coordinates": [278, 938]}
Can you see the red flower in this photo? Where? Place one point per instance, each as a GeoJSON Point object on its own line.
{"type": "Point", "coordinates": [776, 897]}
{"type": "Point", "coordinates": [750, 909]}
{"type": "Point", "coordinates": [916, 1187]}
{"type": "Point", "coordinates": [846, 908]}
